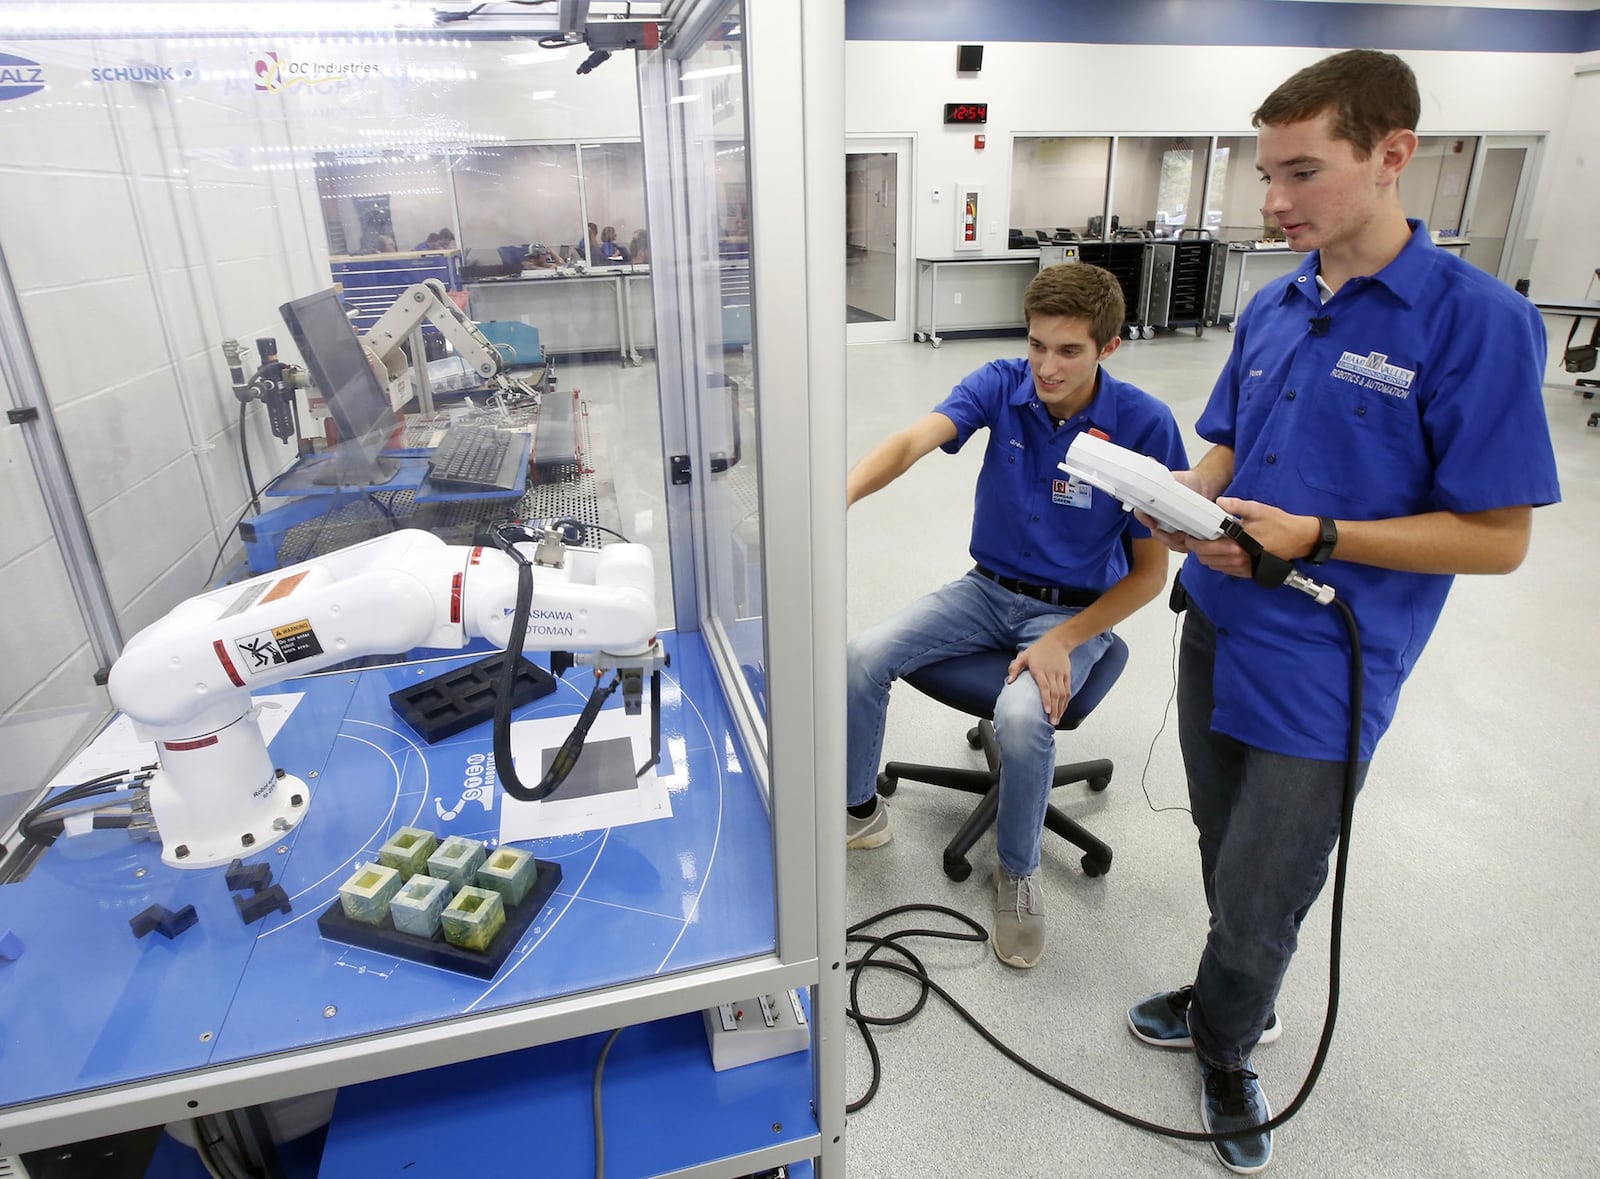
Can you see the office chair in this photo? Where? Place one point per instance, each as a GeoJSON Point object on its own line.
{"type": "Point", "coordinates": [969, 684]}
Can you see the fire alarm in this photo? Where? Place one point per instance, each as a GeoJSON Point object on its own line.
{"type": "Point", "coordinates": [978, 142]}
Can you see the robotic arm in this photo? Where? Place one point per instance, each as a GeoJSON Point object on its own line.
{"type": "Point", "coordinates": [186, 680]}
{"type": "Point", "coordinates": [430, 301]}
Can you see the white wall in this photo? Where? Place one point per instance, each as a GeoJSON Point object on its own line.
{"type": "Point", "coordinates": [900, 87]}
{"type": "Point", "coordinates": [1565, 223]}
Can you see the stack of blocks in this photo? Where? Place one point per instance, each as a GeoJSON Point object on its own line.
{"type": "Point", "coordinates": [426, 886]}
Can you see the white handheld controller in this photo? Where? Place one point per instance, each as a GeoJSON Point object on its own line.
{"type": "Point", "coordinates": [1139, 481]}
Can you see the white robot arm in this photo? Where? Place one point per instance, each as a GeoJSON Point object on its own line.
{"type": "Point", "coordinates": [430, 301]}
{"type": "Point", "coordinates": [186, 679]}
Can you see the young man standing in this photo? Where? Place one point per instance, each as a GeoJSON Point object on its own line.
{"type": "Point", "coordinates": [1053, 574]}
{"type": "Point", "coordinates": [1380, 418]}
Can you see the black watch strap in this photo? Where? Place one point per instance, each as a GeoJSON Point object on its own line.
{"type": "Point", "coordinates": [1325, 542]}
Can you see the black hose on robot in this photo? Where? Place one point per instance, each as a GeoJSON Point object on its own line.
{"type": "Point", "coordinates": [567, 756]}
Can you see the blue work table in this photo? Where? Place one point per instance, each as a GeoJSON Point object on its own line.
{"type": "Point", "coordinates": [91, 1016]}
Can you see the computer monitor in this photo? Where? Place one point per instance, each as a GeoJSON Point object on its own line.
{"type": "Point", "coordinates": [355, 398]}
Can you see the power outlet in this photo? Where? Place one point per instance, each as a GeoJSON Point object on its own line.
{"type": "Point", "coordinates": [756, 1029]}
{"type": "Point", "coordinates": [957, 298]}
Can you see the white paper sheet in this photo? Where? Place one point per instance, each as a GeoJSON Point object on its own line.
{"type": "Point", "coordinates": [623, 800]}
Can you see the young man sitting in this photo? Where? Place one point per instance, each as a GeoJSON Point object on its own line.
{"type": "Point", "coordinates": [1053, 574]}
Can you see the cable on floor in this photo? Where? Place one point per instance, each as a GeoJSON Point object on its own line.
{"type": "Point", "coordinates": [914, 969]}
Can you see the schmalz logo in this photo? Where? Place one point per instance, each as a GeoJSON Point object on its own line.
{"type": "Point", "coordinates": [19, 77]}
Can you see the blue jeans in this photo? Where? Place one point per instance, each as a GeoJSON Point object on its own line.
{"type": "Point", "coordinates": [1267, 824]}
{"type": "Point", "coordinates": [968, 615]}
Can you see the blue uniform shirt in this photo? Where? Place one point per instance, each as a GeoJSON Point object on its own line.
{"type": "Point", "coordinates": [1030, 520]}
{"type": "Point", "coordinates": [1422, 394]}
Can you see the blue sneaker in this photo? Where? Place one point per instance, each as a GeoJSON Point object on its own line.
{"type": "Point", "coordinates": [1163, 1020]}
{"type": "Point", "coordinates": [1232, 1100]}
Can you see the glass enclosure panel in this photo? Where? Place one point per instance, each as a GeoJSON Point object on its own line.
{"type": "Point", "coordinates": [1058, 186]}
{"type": "Point", "coordinates": [379, 198]}
{"type": "Point", "coordinates": [871, 205]}
{"type": "Point", "coordinates": [1159, 181]}
{"type": "Point", "coordinates": [1434, 185]}
{"type": "Point", "coordinates": [613, 187]}
{"type": "Point", "coordinates": [519, 206]}
{"type": "Point", "coordinates": [1233, 205]}
{"type": "Point", "coordinates": [718, 218]}
{"type": "Point", "coordinates": [167, 209]}
{"type": "Point", "coordinates": [49, 704]}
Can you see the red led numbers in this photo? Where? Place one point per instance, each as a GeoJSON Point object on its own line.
{"type": "Point", "coordinates": [966, 112]}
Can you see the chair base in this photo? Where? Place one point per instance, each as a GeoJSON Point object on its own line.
{"type": "Point", "coordinates": [1097, 774]}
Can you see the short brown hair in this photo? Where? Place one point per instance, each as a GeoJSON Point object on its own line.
{"type": "Point", "coordinates": [1369, 94]}
{"type": "Point", "coordinates": [1078, 291]}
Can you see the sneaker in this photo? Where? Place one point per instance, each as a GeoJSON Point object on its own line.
{"type": "Point", "coordinates": [1018, 933]}
{"type": "Point", "coordinates": [1163, 1020]}
{"type": "Point", "coordinates": [872, 831]}
{"type": "Point", "coordinates": [1232, 1100]}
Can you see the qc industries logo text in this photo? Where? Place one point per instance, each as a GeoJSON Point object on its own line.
{"type": "Point", "coordinates": [19, 77]}
{"type": "Point", "coordinates": [275, 75]}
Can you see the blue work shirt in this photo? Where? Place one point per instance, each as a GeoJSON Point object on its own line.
{"type": "Point", "coordinates": [1422, 394]}
{"type": "Point", "coordinates": [1030, 520]}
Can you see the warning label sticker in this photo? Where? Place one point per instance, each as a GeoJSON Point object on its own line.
{"type": "Point", "coordinates": [261, 652]}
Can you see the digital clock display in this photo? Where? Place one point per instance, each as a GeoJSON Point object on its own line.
{"type": "Point", "coordinates": [966, 112]}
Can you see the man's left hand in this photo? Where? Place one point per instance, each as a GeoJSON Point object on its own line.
{"type": "Point", "coordinates": [1049, 661]}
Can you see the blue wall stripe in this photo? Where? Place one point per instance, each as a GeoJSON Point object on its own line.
{"type": "Point", "coordinates": [1225, 22]}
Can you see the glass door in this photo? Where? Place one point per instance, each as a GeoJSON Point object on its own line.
{"type": "Point", "coordinates": [878, 190]}
{"type": "Point", "coordinates": [1499, 203]}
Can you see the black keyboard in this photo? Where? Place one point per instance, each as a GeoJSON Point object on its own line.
{"type": "Point", "coordinates": [475, 458]}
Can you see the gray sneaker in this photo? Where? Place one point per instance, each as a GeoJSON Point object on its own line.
{"type": "Point", "coordinates": [872, 831]}
{"type": "Point", "coordinates": [1018, 933]}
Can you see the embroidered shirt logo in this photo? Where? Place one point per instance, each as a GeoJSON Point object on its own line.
{"type": "Point", "coordinates": [1373, 371]}
{"type": "Point", "coordinates": [1014, 442]}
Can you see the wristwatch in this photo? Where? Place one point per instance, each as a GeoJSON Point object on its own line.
{"type": "Point", "coordinates": [1325, 542]}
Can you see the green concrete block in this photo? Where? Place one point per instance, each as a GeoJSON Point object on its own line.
{"type": "Point", "coordinates": [408, 850]}
{"type": "Point", "coordinates": [366, 895]}
{"type": "Point", "coordinates": [456, 860]}
{"type": "Point", "coordinates": [416, 907]}
{"type": "Point", "coordinates": [511, 872]}
{"type": "Point", "coordinates": [473, 918]}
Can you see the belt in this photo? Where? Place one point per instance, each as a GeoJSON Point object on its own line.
{"type": "Point", "coordinates": [1056, 595]}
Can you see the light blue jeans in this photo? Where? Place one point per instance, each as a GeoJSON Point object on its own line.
{"type": "Point", "coordinates": [968, 615]}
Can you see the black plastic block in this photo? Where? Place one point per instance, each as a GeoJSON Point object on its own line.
{"type": "Point", "coordinates": [258, 904]}
{"type": "Point", "coordinates": [248, 878]}
{"type": "Point", "coordinates": [457, 700]}
{"type": "Point", "coordinates": [163, 920]}
{"type": "Point", "coordinates": [435, 951]}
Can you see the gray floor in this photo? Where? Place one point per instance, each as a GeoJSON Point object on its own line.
{"type": "Point", "coordinates": [1465, 1044]}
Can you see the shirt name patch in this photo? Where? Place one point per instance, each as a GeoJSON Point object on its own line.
{"type": "Point", "coordinates": [1071, 493]}
{"type": "Point", "coordinates": [1374, 371]}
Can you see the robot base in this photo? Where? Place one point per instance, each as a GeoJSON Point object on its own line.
{"type": "Point", "coordinates": [189, 842]}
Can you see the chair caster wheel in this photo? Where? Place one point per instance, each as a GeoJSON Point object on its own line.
{"type": "Point", "coordinates": [1099, 784]}
{"type": "Point", "coordinates": [1091, 866]}
{"type": "Point", "coordinates": [887, 785]}
{"type": "Point", "coordinates": [957, 867]}
{"type": "Point", "coordinates": [974, 738]}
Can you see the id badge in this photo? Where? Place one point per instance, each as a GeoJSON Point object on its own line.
{"type": "Point", "coordinates": [1071, 493]}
